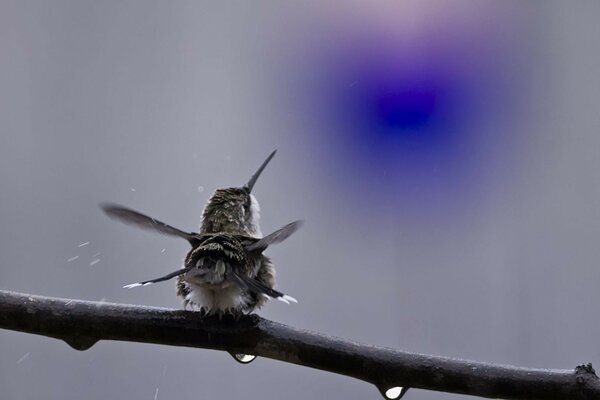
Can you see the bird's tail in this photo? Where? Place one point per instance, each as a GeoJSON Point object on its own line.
{"type": "Point", "coordinates": [257, 287]}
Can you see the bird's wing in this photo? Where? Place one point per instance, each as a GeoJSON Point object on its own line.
{"type": "Point", "coordinates": [132, 217]}
{"type": "Point", "coordinates": [276, 237]}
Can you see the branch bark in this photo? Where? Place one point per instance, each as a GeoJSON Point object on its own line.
{"type": "Point", "coordinates": [82, 323]}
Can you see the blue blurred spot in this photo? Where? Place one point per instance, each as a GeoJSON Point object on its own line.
{"type": "Point", "coordinates": [404, 109]}
{"type": "Point", "coordinates": [393, 118]}
{"type": "Point", "coordinates": [411, 128]}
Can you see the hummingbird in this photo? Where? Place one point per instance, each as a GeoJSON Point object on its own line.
{"type": "Point", "coordinates": [226, 271]}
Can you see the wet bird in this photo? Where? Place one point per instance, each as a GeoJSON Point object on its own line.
{"type": "Point", "coordinates": [226, 271]}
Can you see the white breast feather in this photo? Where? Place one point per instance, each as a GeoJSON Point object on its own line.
{"type": "Point", "coordinates": [255, 210]}
{"type": "Point", "coordinates": [214, 300]}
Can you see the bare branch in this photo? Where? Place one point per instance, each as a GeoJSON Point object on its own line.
{"type": "Point", "coordinates": [82, 323]}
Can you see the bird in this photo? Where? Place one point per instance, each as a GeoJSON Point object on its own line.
{"type": "Point", "coordinates": [225, 272]}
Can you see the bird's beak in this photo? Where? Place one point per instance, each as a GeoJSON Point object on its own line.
{"type": "Point", "coordinates": [254, 178]}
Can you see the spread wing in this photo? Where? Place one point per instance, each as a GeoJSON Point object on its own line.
{"type": "Point", "coordinates": [135, 218]}
{"type": "Point", "coordinates": [276, 237]}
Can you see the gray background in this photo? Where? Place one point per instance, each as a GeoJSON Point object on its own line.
{"type": "Point", "coordinates": [156, 104]}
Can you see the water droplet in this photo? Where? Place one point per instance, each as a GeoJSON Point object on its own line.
{"type": "Point", "coordinates": [163, 250]}
{"type": "Point", "coordinates": [73, 258]}
{"type": "Point", "coordinates": [200, 189]}
{"type": "Point", "coordinates": [156, 394]}
{"type": "Point", "coordinates": [394, 392]}
{"type": "Point", "coordinates": [83, 244]}
{"type": "Point", "coordinates": [243, 358]}
{"type": "Point", "coordinates": [23, 358]}
{"type": "Point", "coordinates": [80, 343]}
{"type": "Point", "coordinates": [94, 262]}
{"type": "Point", "coordinates": [132, 189]}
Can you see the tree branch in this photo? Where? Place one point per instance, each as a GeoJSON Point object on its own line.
{"type": "Point", "coordinates": [82, 323]}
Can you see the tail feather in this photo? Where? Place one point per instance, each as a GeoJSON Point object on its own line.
{"type": "Point", "coordinates": [257, 287]}
{"type": "Point", "coordinates": [161, 279]}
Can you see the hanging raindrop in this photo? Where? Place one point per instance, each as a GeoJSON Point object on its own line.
{"type": "Point", "coordinates": [394, 392]}
{"type": "Point", "coordinates": [243, 358]}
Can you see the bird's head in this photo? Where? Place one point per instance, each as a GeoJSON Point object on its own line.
{"type": "Point", "coordinates": [234, 210]}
